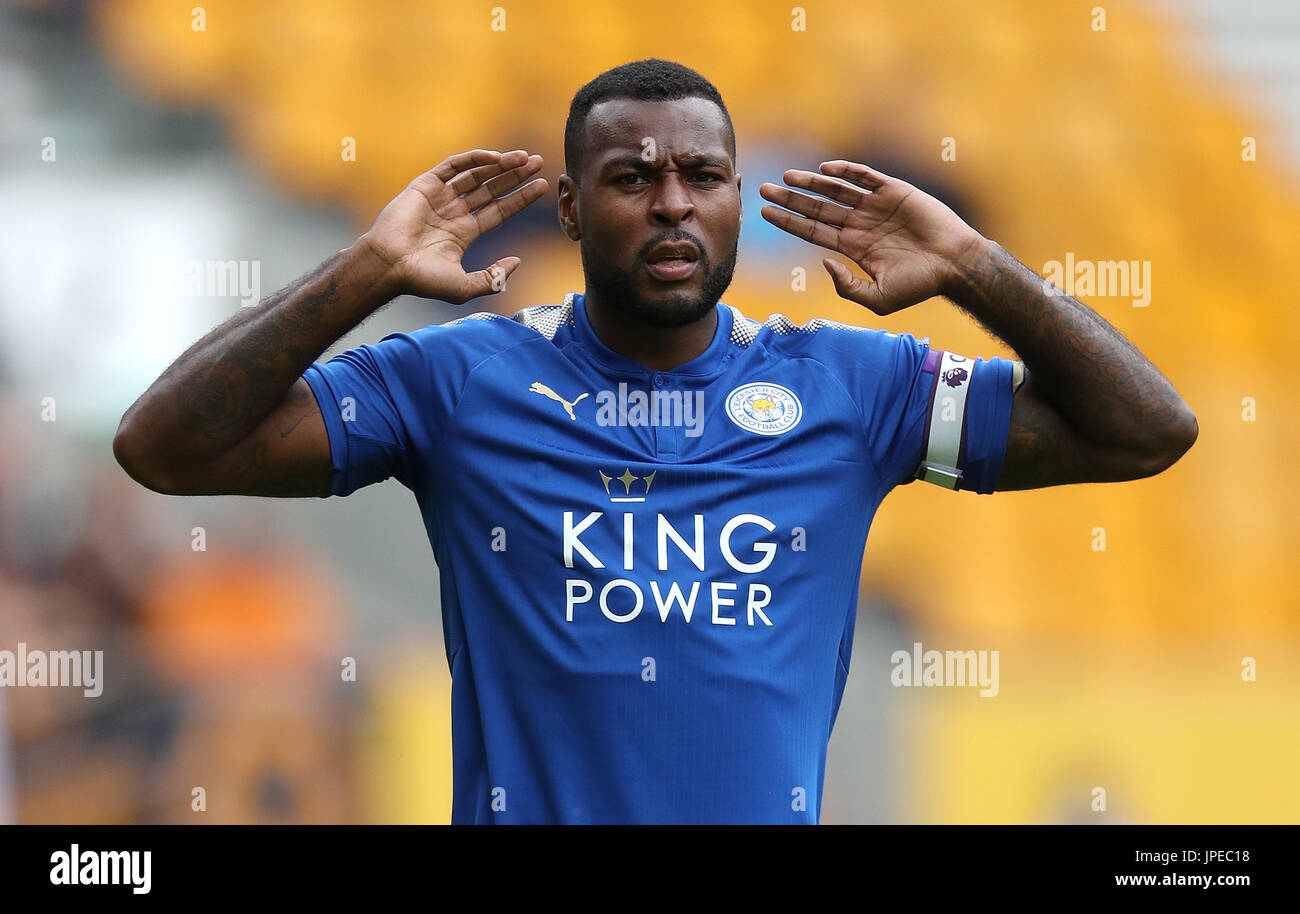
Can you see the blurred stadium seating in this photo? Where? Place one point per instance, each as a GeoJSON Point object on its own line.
{"type": "Point", "coordinates": [1120, 668]}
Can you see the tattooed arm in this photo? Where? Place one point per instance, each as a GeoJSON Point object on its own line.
{"type": "Point", "coordinates": [233, 415]}
{"type": "Point", "coordinates": [1092, 408]}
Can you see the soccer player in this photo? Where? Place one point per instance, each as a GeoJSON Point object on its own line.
{"type": "Point", "coordinates": [649, 510]}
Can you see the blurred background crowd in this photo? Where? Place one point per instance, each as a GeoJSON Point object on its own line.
{"type": "Point", "coordinates": [138, 137]}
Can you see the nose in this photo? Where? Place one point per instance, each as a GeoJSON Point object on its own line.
{"type": "Point", "coordinates": [672, 203]}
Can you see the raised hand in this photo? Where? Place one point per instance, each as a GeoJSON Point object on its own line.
{"type": "Point", "coordinates": [423, 233]}
{"type": "Point", "coordinates": [910, 245]}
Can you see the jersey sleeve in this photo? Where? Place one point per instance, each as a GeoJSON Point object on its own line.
{"type": "Point", "coordinates": [939, 416]}
{"type": "Point", "coordinates": [387, 404]}
{"type": "Point", "coordinates": [364, 395]}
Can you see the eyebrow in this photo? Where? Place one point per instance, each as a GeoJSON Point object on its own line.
{"type": "Point", "coordinates": [635, 161]}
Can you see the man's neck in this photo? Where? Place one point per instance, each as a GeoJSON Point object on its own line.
{"type": "Point", "coordinates": [657, 348]}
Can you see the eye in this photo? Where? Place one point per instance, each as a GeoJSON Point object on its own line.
{"type": "Point", "coordinates": [624, 178]}
{"type": "Point", "coordinates": [710, 175]}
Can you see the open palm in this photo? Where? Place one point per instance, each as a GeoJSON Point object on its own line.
{"type": "Point", "coordinates": [906, 241]}
{"type": "Point", "coordinates": [423, 233]}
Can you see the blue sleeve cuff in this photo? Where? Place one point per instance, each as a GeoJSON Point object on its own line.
{"type": "Point", "coordinates": [329, 410]}
{"type": "Point", "coordinates": [988, 422]}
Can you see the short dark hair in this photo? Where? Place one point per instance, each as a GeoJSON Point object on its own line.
{"type": "Point", "coordinates": [651, 79]}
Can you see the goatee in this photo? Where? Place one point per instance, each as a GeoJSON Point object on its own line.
{"type": "Point", "coordinates": [678, 310]}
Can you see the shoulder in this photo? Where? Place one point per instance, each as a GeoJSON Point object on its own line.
{"type": "Point", "coordinates": [823, 339]}
{"type": "Point", "coordinates": [486, 332]}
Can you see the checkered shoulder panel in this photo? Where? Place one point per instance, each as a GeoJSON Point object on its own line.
{"type": "Point", "coordinates": [547, 319]}
{"type": "Point", "coordinates": [476, 316]}
{"type": "Point", "coordinates": [745, 330]}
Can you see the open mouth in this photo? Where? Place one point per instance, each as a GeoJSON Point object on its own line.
{"type": "Point", "coordinates": [671, 269]}
{"type": "Point", "coordinates": [672, 262]}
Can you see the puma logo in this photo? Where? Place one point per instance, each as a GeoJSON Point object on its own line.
{"type": "Point", "coordinates": [539, 388]}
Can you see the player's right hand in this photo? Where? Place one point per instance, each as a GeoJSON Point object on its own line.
{"type": "Point", "coordinates": [424, 231]}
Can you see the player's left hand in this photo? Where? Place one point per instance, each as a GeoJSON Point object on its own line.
{"type": "Point", "coordinates": [911, 246]}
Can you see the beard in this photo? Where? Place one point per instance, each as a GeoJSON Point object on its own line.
{"type": "Point", "coordinates": [676, 308]}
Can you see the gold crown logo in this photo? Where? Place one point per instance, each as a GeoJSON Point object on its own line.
{"type": "Point", "coordinates": [627, 479]}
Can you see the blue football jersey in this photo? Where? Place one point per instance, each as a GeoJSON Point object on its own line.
{"type": "Point", "coordinates": [650, 578]}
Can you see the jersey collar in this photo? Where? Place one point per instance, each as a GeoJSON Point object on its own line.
{"type": "Point", "coordinates": [705, 365]}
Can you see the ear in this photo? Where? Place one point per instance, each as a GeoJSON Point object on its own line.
{"type": "Point", "coordinates": [567, 207]}
{"type": "Point", "coordinates": [741, 221]}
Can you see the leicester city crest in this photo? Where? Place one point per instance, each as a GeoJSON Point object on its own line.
{"type": "Point", "coordinates": [764, 409]}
